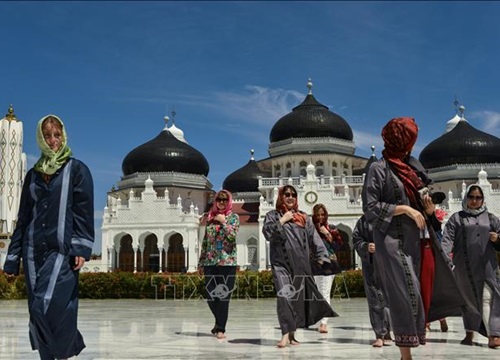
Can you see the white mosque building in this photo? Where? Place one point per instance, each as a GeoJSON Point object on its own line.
{"type": "Point", "coordinates": [152, 218]}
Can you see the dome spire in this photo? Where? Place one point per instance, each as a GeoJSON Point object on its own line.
{"type": "Point", "coordinates": [373, 150]}
{"type": "Point", "coordinates": [10, 114]}
{"type": "Point", "coordinates": [166, 119]}
{"type": "Point", "coordinates": [461, 108]}
{"type": "Point", "coordinates": [173, 115]}
{"type": "Point", "coordinates": [456, 104]}
{"type": "Point", "coordinates": [309, 86]}
{"type": "Point", "coordinates": [251, 154]}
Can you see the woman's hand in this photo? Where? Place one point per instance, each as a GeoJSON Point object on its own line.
{"type": "Point", "coordinates": [429, 206]}
{"type": "Point", "coordinates": [493, 236]}
{"type": "Point", "coordinates": [220, 218]}
{"type": "Point", "coordinates": [79, 261]}
{"type": "Point", "coordinates": [412, 213]}
{"type": "Point", "coordinates": [286, 217]}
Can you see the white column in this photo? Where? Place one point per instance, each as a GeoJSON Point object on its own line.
{"type": "Point", "coordinates": [186, 257]}
{"type": "Point", "coordinates": [141, 248]}
{"type": "Point", "coordinates": [135, 248]}
{"type": "Point", "coordinates": [160, 251]}
{"type": "Point", "coordinates": [118, 257]}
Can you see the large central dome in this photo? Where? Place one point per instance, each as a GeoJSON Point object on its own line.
{"type": "Point", "coordinates": [310, 119]}
{"type": "Point", "coordinates": [165, 153]}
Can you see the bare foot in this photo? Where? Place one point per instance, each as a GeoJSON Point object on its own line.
{"type": "Point", "coordinates": [293, 340]}
{"type": "Point", "coordinates": [494, 342]}
{"type": "Point", "coordinates": [220, 335]}
{"type": "Point", "coordinates": [405, 353]}
{"type": "Point", "coordinates": [283, 342]}
{"type": "Point", "coordinates": [323, 329]}
{"type": "Point", "coordinates": [378, 343]}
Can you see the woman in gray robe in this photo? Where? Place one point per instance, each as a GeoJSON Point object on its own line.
{"type": "Point", "coordinates": [400, 215]}
{"type": "Point", "coordinates": [377, 306]}
{"type": "Point", "coordinates": [471, 239]}
{"type": "Point", "coordinates": [292, 240]}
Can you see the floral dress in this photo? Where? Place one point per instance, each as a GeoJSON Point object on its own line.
{"type": "Point", "coordinates": [219, 242]}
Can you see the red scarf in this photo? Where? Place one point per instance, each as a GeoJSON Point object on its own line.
{"type": "Point", "coordinates": [399, 135]}
{"type": "Point", "coordinates": [299, 218]}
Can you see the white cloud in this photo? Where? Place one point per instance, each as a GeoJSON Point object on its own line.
{"type": "Point", "coordinates": [490, 120]}
{"type": "Point", "coordinates": [364, 141]}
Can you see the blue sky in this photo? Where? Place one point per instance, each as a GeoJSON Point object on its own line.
{"type": "Point", "coordinates": [113, 70]}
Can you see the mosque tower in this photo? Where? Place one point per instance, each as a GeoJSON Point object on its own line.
{"type": "Point", "coordinates": [12, 172]}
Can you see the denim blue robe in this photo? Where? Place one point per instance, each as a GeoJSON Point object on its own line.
{"type": "Point", "coordinates": [55, 224]}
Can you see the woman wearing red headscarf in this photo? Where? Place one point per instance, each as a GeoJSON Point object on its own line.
{"type": "Point", "coordinates": [399, 216]}
{"type": "Point", "coordinates": [292, 237]}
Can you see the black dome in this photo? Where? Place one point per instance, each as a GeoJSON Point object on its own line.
{"type": "Point", "coordinates": [245, 179]}
{"type": "Point", "coordinates": [310, 119]}
{"type": "Point", "coordinates": [462, 145]}
{"type": "Point", "coordinates": [165, 153]}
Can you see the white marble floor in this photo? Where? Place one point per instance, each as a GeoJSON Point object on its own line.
{"type": "Point", "coordinates": [180, 329]}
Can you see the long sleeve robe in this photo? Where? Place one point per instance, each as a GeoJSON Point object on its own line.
{"type": "Point", "coordinates": [299, 302]}
{"type": "Point", "coordinates": [474, 256]}
{"type": "Point", "coordinates": [55, 224]}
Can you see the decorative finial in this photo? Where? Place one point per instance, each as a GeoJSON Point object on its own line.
{"type": "Point", "coordinates": [166, 119]}
{"type": "Point", "coordinates": [251, 154]}
{"type": "Point", "coordinates": [461, 108]}
{"type": "Point", "coordinates": [310, 86]}
{"type": "Point", "coordinates": [10, 114]}
{"type": "Point", "coordinates": [373, 150]}
{"type": "Point", "coordinates": [173, 115]}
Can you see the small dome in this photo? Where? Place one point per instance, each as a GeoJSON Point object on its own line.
{"type": "Point", "coordinates": [165, 153]}
{"type": "Point", "coordinates": [310, 119]}
{"type": "Point", "coordinates": [464, 144]}
{"type": "Point", "coordinates": [245, 179]}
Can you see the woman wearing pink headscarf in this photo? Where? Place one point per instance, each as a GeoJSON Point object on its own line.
{"type": "Point", "coordinates": [218, 258]}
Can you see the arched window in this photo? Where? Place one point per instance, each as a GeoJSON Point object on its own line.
{"type": "Point", "coordinates": [302, 168]}
{"type": "Point", "coordinates": [319, 168]}
{"type": "Point", "coordinates": [288, 170]}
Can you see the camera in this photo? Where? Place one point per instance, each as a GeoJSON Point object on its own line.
{"type": "Point", "coordinates": [437, 197]}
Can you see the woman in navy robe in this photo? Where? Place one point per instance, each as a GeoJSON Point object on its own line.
{"type": "Point", "coordinates": [54, 237]}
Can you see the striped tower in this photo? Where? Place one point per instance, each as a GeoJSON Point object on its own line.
{"type": "Point", "coordinates": [12, 172]}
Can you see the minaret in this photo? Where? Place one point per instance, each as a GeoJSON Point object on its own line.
{"type": "Point", "coordinates": [12, 172]}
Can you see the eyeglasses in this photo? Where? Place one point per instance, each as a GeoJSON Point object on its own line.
{"type": "Point", "coordinates": [288, 194]}
{"type": "Point", "coordinates": [472, 197]}
{"type": "Point", "coordinates": [221, 199]}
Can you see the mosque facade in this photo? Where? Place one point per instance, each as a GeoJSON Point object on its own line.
{"type": "Point", "coordinates": [153, 218]}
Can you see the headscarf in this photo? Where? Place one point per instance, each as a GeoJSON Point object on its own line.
{"type": "Point", "coordinates": [315, 216]}
{"type": "Point", "coordinates": [51, 161]}
{"type": "Point", "coordinates": [299, 218]}
{"type": "Point", "coordinates": [399, 135]}
{"type": "Point", "coordinates": [215, 209]}
{"type": "Point", "coordinates": [468, 210]}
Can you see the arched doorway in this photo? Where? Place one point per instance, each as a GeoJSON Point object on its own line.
{"type": "Point", "coordinates": [176, 256]}
{"type": "Point", "coordinates": [151, 256]}
{"type": "Point", "coordinates": [126, 254]}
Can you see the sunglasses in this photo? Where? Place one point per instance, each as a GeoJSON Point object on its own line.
{"type": "Point", "coordinates": [221, 199]}
{"type": "Point", "coordinates": [289, 194]}
{"type": "Point", "coordinates": [472, 197]}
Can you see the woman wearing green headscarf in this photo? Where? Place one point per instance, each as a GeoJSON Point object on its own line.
{"type": "Point", "coordinates": [54, 237]}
